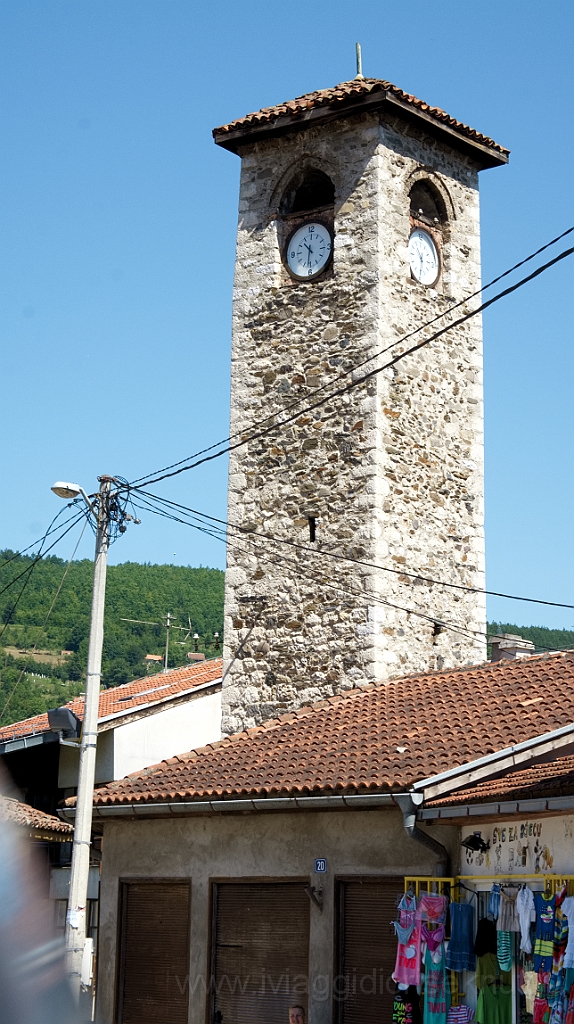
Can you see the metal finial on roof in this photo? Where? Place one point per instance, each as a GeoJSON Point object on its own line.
{"type": "Point", "coordinates": [359, 61]}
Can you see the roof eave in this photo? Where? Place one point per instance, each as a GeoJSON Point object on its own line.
{"type": "Point", "coordinates": [234, 805]}
{"type": "Point", "coordinates": [285, 124]}
{"type": "Point", "coordinates": [538, 749]}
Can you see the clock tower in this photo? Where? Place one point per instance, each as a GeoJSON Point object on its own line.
{"type": "Point", "coordinates": [356, 539]}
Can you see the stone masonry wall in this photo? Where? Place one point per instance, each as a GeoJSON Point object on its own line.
{"type": "Point", "coordinates": [393, 469]}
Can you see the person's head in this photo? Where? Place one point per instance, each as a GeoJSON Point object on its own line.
{"type": "Point", "coordinates": [296, 1014]}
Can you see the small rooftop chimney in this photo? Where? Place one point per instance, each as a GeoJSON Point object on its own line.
{"type": "Point", "coordinates": [507, 646]}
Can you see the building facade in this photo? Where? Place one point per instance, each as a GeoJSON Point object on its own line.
{"type": "Point", "coordinates": [349, 492]}
{"type": "Point", "coordinates": [265, 870]}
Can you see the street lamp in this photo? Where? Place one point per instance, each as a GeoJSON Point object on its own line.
{"type": "Point", "coordinates": [76, 945]}
{"type": "Point", "coordinates": [67, 491]}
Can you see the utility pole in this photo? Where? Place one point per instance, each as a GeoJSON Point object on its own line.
{"type": "Point", "coordinates": [167, 629]}
{"type": "Point", "coordinates": [78, 896]}
{"type": "Point", "coordinates": [169, 624]}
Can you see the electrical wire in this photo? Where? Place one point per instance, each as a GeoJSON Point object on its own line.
{"type": "Point", "coordinates": [273, 426]}
{"type": "Point", "coordinates": [51, 608]}
{"type": "Point", "coordinates": [222, 536]}
{"type": "Point", "coordinates": [30, 569]}
{"type": "Point", "coordinates": [465, 631]}
{"type": "Point", "coordinates": [40, 540]}
{"type": "Point", "coordinates": [414, 576]}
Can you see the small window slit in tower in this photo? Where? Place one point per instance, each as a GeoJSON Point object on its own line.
{"type": "Point", "coordinates": [312, 527]}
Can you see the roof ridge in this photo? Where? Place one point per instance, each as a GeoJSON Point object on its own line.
{"type": "Point", "coordinates": [351, 90]}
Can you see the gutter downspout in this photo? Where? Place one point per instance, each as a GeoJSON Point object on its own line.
{"type": "Point", "coordinates": [409, 803]}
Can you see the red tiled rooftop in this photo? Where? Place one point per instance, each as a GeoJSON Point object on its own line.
{"type": "Point", "coordinates": [377, 738]}
{"type": "Point", "coordinates": [137, 694]}
{"type": "Point", "coordinates": [341, 98]}
{"type": "Point", "coordinates": [32, 819]}
{"type": "Point", "coordinates": [538, 781]}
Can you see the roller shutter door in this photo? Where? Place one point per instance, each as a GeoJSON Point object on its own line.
{"type": "Point", "coordinates": [153, 953]}
{"type": "Point", "coordinates": [260, 951]}
{"type": "Point", "coordinates": [367, 948]}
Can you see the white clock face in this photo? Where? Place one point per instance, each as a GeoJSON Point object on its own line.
{"type": "Point", "coordinates": [309, 250]}
{"type": "Point", "coordinates": [423, 257]}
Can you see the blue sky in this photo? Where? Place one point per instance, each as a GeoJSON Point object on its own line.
{"type": "Point", "coordinates": [117, 233]}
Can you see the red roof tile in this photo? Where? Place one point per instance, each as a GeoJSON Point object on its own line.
{"type": "Point", "coordinates": [376, 738]}
{"type": "Point", "coordinates": [32, 819]}
{"type": "Point", "coordinates": [341, 98]}
{"type": "Point", "coordinates": [538, 781]}
{"type": "Point", "coordinates": [138, 694]}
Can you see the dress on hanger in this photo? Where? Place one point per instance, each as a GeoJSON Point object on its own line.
{"type": "Point", "coordinates": [508, 919]}
{"type": "Point", "coordinates": [408, 928]}
{"type": "Point", "coordinates": [544, 940]}
{"type": "Point", "coordinates": [460, 954]}
{"type": "Point", "coordinates": [526, 915]}
{"type": "Point", "coordinates": [437, 991]}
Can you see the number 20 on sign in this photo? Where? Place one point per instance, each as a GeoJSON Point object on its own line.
{"type": "Point", "coordinates": [320, 866]}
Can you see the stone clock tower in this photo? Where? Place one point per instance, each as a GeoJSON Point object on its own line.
{"type": "Point", "coordinates": [358, 225]}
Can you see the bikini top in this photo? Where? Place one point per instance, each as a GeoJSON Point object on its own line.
{"type": "Point", "coordinates": [433, 938]}
{"type": "Point", "coordinates": [433, 907]}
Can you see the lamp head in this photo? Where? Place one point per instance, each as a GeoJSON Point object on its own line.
{"type": "Point", "coordinates": [66, 490]}
{"type": "Point", "coordinates": [476, 843]}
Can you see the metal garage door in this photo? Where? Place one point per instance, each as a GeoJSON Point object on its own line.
{"type": "Point", "coordinates": [366, 950]}
{"type": "Point", "coordinates": [153, 952]}
{"type": "Point", "coordinates": [260, 951]}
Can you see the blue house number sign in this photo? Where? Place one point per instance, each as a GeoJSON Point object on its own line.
{"type": "Point", "coordinates": [320, 866]}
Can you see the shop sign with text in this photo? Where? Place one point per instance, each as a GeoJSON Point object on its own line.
{"type": "Point", "coordinates": [529, 846]}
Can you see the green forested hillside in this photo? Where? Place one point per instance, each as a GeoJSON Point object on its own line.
{"type": "Point", "coordinates": [134, 591]}
{"type": "Point", "coordinates": [543, 639]}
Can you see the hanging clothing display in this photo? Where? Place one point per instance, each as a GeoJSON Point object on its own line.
{"type": "Point", "coordinates": [526, 915]}
{"type": "Point", "coordinates": [504, 950]}
{"type": "Point", "coordinates": [569, 1018]}
{"type": "Point", "coordinates": [406, 1006]}
{"type": "Point", "coordinates": [568, 911]}
{"type": "Point", "coordinates": [437, 990]}
{"type": "Point", "coordinates": [494, 1005]}
{"type": "Point", "coordinates": [541, 1011]}
{"type": "Point", "coordinates": [485, 941]}
{"type": "Point", "coordinates": [545, 906]}
{"type": "Point", "coordinates": [408, 963]}
{"type": "Point", "coordinates": [538, 964]}
{"type": "Point", "coordinates": [529, 987]}
{"type": "Point", "coordinates": [556, 984]}
{"type": "Point", "coordinates": [508, 920]}
{"type": "Point", "coordinates": [433, 908]}
{"type": "Point", "coordinates": [460, 1014]}
{"type": "Point", "coordinates": [433, 937]}
{"type": "Point", "coordinates": [493, 902]}
{"type": "Point", "coordinates": [487, 970]}
{"type": "Point", "coordinates": [460, 955]}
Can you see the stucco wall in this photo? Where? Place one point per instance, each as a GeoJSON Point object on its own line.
{"type": "Point", "coordinates": [170, 732]}
{"type": "Point", "coordinates": [70, 760]}
{"type": "Point", "coordinates": [252, 846]}
{"type": "Point", "coordinates": [394, 469]}
{"type": "Point", "coordinates": [149, 740]}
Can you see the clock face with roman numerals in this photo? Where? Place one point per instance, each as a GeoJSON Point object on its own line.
{"type": "Point", "coordinates": [309, 250]}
